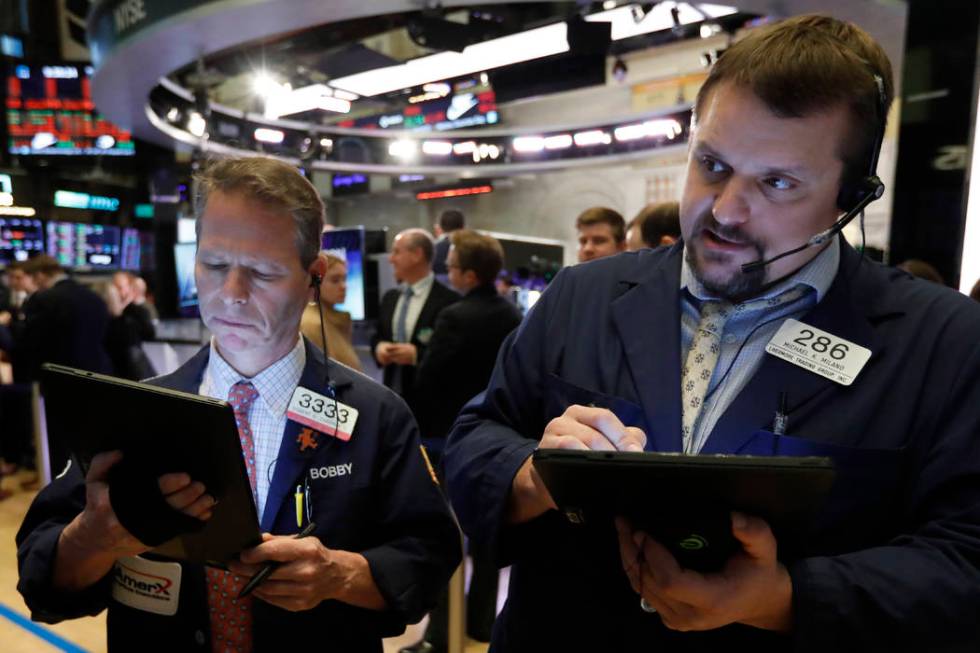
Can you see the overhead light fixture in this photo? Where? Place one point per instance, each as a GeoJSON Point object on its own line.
{"type": "Point", "coordinates": [558, 142]}
{"type": "Point", "coordinates": [267, 135]}
{"type": "Point", "coordinates": [464, 147]}
{"type": "Point", "coordinates": [454, 192]}
{"type": "Point", "coordinates": [437, 148]}
{"type": "Point", "coordinates": [709, 29]}
{"type": "Point", "coordinates": [196, 124]}
{"type": "Point", "coordinates": [345, 95]}
{"type": "Point", "coordinates": [522, 46]}
{"type": "Point", "coordinates": [18, 211]}
{"type": "Point", "coordinates": [307, 98]}
{"type": "Point", "coordinates": [649, 129]}
{"type": "Point", "coordinates": [105, 141]}
{"type": "Point", "coordinates": [326, 143]}
{"type": "Point", "coordinates": [173, 115]}
{"type": "Point", "coordinates": [592, 137]}
{"type": "Point", "coordinates": [403, 149]}
{"type": "Point", "coordinates": [265, 86]}
{"type": "Point", "coordinates": [6, 199]}
{"type": "Point", "coordinates": [528, 144]}
{"type": "Point", "coordinates": [609, 4]}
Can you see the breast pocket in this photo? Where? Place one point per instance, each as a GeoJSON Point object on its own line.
{"type": "Point", "coordinates": [864, 503]}
{"type": "Point", "coordinates": [560, 394]}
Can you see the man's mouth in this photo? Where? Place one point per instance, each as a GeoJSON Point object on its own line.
{"type": "Point", "coordinates": [717, 242]}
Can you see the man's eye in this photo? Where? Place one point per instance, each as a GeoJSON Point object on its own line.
{"type": "Point", "coordinates": [214, 266]}
{"type": "Point", "coordinates": [711, 165]}
{"type": "Point", "coordinates": [778, 183]}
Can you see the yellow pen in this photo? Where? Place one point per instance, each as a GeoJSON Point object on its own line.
{"type": "Point", "coordinates": [299, 505]}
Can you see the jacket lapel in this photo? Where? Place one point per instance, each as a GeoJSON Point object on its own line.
{"type": "Point", "coordinates": [187, 377]}
{"type": "Point", "coordinates": [433, 304]}
{"type": "Point", "coordinates": [755, 406]}
{"type": "Point", "coordinates": [651, 342]}
{"type": "Point", "coordinates": [291, 464]}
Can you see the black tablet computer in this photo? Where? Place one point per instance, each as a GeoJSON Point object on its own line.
{"type": "Point", "coordinates": [158, 431]}
{"type": "Point", "coordinates": [685, 501]}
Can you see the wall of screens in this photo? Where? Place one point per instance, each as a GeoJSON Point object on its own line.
{"type": "Point", "coordinates": [50, 112]}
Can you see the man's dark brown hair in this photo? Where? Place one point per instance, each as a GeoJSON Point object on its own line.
{"type": "Point", "coordinates": [656, 221]}
{"type": "Point", "coordinates": [807, 64]}
{"type": "Point", "coordinates": [451, 220]}
{"type": "Point", "coordinates": [602, 215]}
{"type": "Point", "coordinates": [478, 252]}
{"type": "Point", "coordinates": [43, 264]}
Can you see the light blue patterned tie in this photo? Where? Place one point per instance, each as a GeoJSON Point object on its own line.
{"type": "Point", "coordinates": [401, 324]}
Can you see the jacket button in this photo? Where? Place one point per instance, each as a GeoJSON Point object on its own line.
{"type": "Point", "coordinates": [199, 637]}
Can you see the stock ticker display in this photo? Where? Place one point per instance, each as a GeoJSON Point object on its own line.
{"type": "Point", "coordinates": [84, 246]}
{"type": "Point", "coordinates": [50, 112]}
{"type": "Point", "coordinates": [20, 238]}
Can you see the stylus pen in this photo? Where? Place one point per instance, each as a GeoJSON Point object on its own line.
{"type": "Point", "coordinates": [271, 566]}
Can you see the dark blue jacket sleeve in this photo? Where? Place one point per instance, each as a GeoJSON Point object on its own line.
{"type": "Point", "coordinates": [37, 545]}
{"type": "Point", "coordinates": [497, 431]}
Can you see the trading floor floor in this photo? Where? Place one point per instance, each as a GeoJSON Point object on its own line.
{"type": "Point", "coordinates": [19, 635]}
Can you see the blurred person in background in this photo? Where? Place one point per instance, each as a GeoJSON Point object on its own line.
{"type": "Point", "coordinates": [975, 292]}
{"type": "Point", "coordinates": [919, 268]}
{"type": "Point", "coordinates": [124, 335]}
{"type": "Point", "coordinates": [337, 324]}
{"type": "Point", "coordinates": [655, 225]}
{"type": "Point", "coordinates": [449, 221]}
{"type": "Point", "coordinates": [455, 368]}
{"type": "Point", "coordinates": [408, 313]}
{"type": "Point", "coordinates": [137, 313]}
{"type": "Point", "coordinates": [141, 298]}
{"type": "Point", "coordinates": [601, 233]}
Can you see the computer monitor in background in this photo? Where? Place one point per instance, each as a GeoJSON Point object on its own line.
{"type": "Point", "coordinates": [348, 244]}
{"type": "Point", "coordinates": [130, 250]}
{"type": "Point", "coordinates": [187, 305]}
{"type": "Point", "coordinates": [186, 230]}
{"type": "Point", "coordinates": [82, 246]}
{"type": "Point", "coordinates": [20, 239]}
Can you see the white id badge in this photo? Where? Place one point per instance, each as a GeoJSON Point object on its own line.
{"type": "Point", "coordinates": [820, 352]}
{"type": "Point", "coordinates": [147, 585]}
{"type": "Point", "coordinates": [322, 413]}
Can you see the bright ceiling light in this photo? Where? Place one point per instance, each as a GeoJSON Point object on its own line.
{"type": "Point", "coordinates": [265, 86]}
{"type": "Point", "coordinates": [437, 148]}
{"type": "Point", "coordinates": [326, 143]}
{"type": "Point", "coordinates": [266, 135]}
{"type": "Point", "coordinates": [196, 124]}
{"type": "Point", "coordinates": [173, 115]}
{"type": "Point", "coordinates": [307, 98]}
{"type": "Point", "coordinates": [514, 48]}
{"type": "Point", "coordinates": [709, 29]}
{"type": "Point", "coordinates": [403, 149]}
{"type": "Point", "coordinates": [6, 199]}
{"type": "Point", "coordinates": [344, 95]}
{"type": "Point", "coordinates": [464, 147]}
{"type": "Point", "coordinates": [528, 144]}
{"type": "Point", "coordinates": [558, 142]}
{"type": "Point", "coordinates": [592, 137]}
{"type": "Point", "coordinates": [651, 128]}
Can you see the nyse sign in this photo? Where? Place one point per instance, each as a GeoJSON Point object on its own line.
{"type": "Point", "coordinates": [128, 13]}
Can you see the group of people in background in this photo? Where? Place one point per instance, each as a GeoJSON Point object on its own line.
{"type": "Point", "coordinates": [47, 316]}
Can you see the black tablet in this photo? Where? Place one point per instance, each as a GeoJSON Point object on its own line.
{"type": "Point", "coordinates": [159, 431]}
{"type": "Point", "coordinates": [685, 501]}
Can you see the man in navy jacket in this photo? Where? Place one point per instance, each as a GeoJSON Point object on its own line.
{"type": "Point", "coordinates": [893, 559]}
{"type": "Point", "coordinates": [384, 543]}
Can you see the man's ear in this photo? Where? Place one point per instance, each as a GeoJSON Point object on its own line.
{"type": "Point", "coordinates": [317, 269]}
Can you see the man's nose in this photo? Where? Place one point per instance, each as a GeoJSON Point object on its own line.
{"type": "Point", "coordinates": [236, 287]}
{"type": "Point", "coordinates": [730, 206]}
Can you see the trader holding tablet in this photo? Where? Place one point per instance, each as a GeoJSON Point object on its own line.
{"type": "Point", "coordinates": [384, 542]}
{"type": "Point", "coordinates": [762, 332]}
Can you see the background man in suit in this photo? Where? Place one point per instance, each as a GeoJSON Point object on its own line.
{"type": "Point", "coordinates": [455, 368]}
{"type": "Point", "coordinates": [384, 541]}
{"type": "Point", "coordinates": [408, 313]}
{"type": "Point", "coordinates": [449, 221]}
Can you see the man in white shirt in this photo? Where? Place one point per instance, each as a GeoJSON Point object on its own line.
{"type": "Point", "coordinates": [408, 313]}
